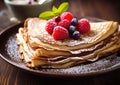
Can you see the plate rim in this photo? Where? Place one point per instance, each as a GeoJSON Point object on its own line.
{"type": "Point", "coordinates": [116, 66]}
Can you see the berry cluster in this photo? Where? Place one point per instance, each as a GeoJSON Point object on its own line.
{"type": "Point", "coordinates": [65, 26]}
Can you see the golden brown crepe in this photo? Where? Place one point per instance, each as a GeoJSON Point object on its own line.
{"type": "Point", "coordinates": [39, 49]}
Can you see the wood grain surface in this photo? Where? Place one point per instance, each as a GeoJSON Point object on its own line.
{"type": "Point", "coordinates": [104, 9]}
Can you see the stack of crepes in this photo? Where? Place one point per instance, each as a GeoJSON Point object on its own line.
{"type": "Point", "coordinates": [39, 49]}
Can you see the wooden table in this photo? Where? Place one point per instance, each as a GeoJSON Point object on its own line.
{"type": "Point", "coordinates": [105, 9]}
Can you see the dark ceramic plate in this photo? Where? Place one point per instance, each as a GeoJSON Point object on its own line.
{"type": "Point", "coordinates": [9, 52]}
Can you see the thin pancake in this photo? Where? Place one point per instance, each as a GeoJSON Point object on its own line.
{"type": "Point", "coordinates": [39, 49]}
{"type": "Point", "coordinates": [99, 32]}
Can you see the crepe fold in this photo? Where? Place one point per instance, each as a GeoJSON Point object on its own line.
{"type": "Point", "coordinates": [39, 49]}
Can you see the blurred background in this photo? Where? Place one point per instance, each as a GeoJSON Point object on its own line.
{"type": "Point", "coordinates": [103, 9]}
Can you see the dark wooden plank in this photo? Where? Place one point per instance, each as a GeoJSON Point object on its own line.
{"type": "Point", "coordinates": [105, 9]}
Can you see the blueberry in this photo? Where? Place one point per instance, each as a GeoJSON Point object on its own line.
{"type": "Point", "coordinates": [74, 21]}
{"type": "Point", "coordinates": [76, 35]}
{"type": "Point", "coordinates": [71, 29]}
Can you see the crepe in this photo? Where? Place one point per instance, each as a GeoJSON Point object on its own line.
{"type": "Point", "coordinates": [39, 49]}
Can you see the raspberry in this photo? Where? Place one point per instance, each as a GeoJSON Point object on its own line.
{"type": "Point", "coordinates": [83, 26]}
{"type": "Point", "coordinates": [57, 19]}
{"type": "Point", "coordinates": [64, 23]}
{"type": "Point", "coordinates": [60, 33]}
{"type": "Point", "coordinates": [67, 15]}
{"type": "Point", "coordinates": [50, 26]}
